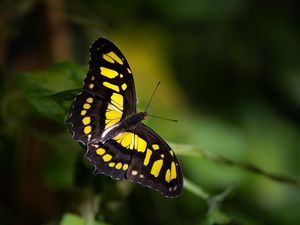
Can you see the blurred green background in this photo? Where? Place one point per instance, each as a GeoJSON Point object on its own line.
{"type": "Point", "coordinates": [230, 73]}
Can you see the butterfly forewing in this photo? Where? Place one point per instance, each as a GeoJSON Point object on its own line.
{"type": "Point", "coordinates": [108, 95]}
{"type": "Point", "coordinates": [110, 73]}
{"type": "Point", "coordinates": [85, 117]}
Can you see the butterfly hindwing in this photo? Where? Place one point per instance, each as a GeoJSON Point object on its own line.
{"type": "Point", "coordinates": [109, 159]}
{"type": "Point", "coordinates": [153, 163]}
{"type": "Point", "coordinates": [141, 156]}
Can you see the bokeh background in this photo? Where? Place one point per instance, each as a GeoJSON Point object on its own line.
{"type": "Point", "coordinates": [230, 73]}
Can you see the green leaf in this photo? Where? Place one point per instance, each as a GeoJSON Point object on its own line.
{"type": "Point", "coordinates": [196, 189]}
{"type": "Point", "coordinates": [217, 217]}
{"type": "Point", "coordinates": [65, 98]}
{"type": "Point", "coordinates": [51, 91]}
{"type": "Point", "coordinates": [215, 201]}
{"type": "Point", "coordinates": [72, 219]}
{"type": "Point", "coordinates": [59, 168]}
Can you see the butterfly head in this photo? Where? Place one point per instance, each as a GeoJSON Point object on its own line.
{"type": "Point", "coordinates": [142, 115]}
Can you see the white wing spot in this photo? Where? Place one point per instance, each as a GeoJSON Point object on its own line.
{"type": "Point", "coordinates": [134, 172]}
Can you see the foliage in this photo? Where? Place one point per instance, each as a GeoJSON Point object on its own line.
{"type": "Point", "coordinates": [230, 73]}
{"type": "Point", "coordinates": [70, 219]}
{"type": "Point", "coordinates": [49, 91]}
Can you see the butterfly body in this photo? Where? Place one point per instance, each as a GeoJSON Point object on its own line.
{"type": "Point", "coordinates": [128, 124]}
{"type": "Point", "coordinates": [104, 118]}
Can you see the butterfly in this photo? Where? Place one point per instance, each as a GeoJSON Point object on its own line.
{"type": "Point", "coordinates": [104, 118]}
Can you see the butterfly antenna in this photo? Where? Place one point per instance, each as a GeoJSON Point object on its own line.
{"type": "Point", "coordinates": [152, 96]}
{"type": "Point", "coordinates": [163, 118]}
{"type": "Point", "coordinates": [150, 100]}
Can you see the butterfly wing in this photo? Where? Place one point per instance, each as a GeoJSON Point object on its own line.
{"type": "Point", "coordinates": [110, 159]}
{"type": "Point", "coordinates": [109, 73]}
{"type": "Point", "coordinates": [108, 95]}
{"type": "Point", "coordinates": [155, 165]}
{"type": "Point", "coordinates": [141, 156]}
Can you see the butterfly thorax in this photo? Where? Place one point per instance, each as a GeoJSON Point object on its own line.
{"type": "Point", "coordinates": [127, 124]}
{"type": "Point", "coordinates": [133, 120]}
